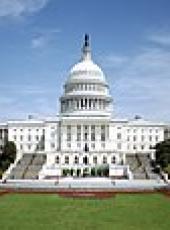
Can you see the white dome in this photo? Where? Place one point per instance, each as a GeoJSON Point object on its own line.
{"type": "Point", "coordinates": [86, 70]}
{"type": "Point", "coordinates": [86, 90]}
{"type": "Point", "coordinates": [86, 65]}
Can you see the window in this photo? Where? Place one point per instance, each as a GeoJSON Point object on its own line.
{"type": "Point", "coordinates": [104, 160]}
{"type": "Point", "coordinates": [69, 133]}
{"type": "Point", "coordinates": [93, 145]}
{"type": "Point", "coordinates": [128, 138]}
{"type": "Point", "coordinates": [37, 138]}
{"type": "Point", "coordinates": [150, 138]}
{"type": "Point", "coordinates": [57, 160]}
{"type": "Point", "coordinates": [103, 145]}
{"type": "Point", "coordinates": [119, 135]}
{"type": "Point", "coordinates": [76, 160]}
{"type": "Point", "coordinates": [103, 133]}
{"type": "Point", "coordinates": [86, 132]}
{"type": "Point", "coordinates": [78, 132]}
{"type": "Point", "coordinates": [134, 138]}
{"type": "Point", "coordinates": [93, 133]}
{"type": "Point", "coordinates": [21, 138]}
{"type": "Point", "coordinates": [95, 160]}
{"type": "Point", "coordinates": [134, 147]}
{"type": "Point", "coordinates": [113, 160]}
{"type": "Point", "coordinates": [52, 145]}
{"type": "Point", "coordinates": [29, 137]}
{"type": "Point", "coordinates": [68, 145]}
{"type": "Point", "coordinates": [66, 159]}
{"type": "Point", "coordinates": [1, 134]}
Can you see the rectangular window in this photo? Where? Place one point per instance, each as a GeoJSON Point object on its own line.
{"type": "Point", "coordinates": [78, 132]}
{"type": "Point", "coordinates": [86, 132]}
{"type": "Point", "coordinates": [103, 133]}
{"type": "Point", "coordinates": [119, 136]}
{"type": "Point", "coordinates": [52, 145]}
{"type": "Point", "coordinates": [1, 134]}
{"type": "Point", "coordinates": [93, 133]}
{"type": "Point", "coordinates": [95, 160]}
{"type": "Point", "coordinates": [29, 137]}
{"type": "Point", "coordinates": [69, 133]}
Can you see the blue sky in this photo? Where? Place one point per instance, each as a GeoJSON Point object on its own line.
{"type": "Point", "coordinates": [41, 39]}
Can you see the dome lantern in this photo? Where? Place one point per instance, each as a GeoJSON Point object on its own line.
{"type": "Point", "coordinates": [86, 51]}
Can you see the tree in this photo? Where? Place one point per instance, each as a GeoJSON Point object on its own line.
{"type": "Point", "coordinates": [163, 153]}
{"type": "Point", "coordinates": [8, 155]}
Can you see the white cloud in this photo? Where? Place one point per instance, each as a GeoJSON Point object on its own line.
{"type": "Point", "coordinates": [161, 38]}
{"type": "Point", "coordinates": [16, 8]}
{"type": "Point", "coordinates": [44, 37]}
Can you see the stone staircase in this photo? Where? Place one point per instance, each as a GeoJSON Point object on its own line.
{"type": "Point", "coordinates": [140, 166]}
{"type": "Point", "coordinates": [28, 167]}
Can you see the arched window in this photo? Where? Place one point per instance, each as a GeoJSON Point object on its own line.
{"type": "Point", "coordinates": [57, 160]}
{"type": "Point", "coordinates": [85, 160]}
{"type": "Point", "coordinates": [113, 160]}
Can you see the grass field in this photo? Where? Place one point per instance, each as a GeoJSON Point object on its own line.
{"type": "Point", "coordinates": [124, 212]}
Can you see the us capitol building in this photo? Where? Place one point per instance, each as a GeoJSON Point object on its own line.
{"type": "Point", "coordinates": [84, 137]}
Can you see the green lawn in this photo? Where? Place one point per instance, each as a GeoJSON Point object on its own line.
{"type": "Point", "coordinates": [124, 212]}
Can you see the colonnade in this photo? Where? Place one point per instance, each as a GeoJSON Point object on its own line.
{"type": "Point", "coordinates": [83, 103]}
